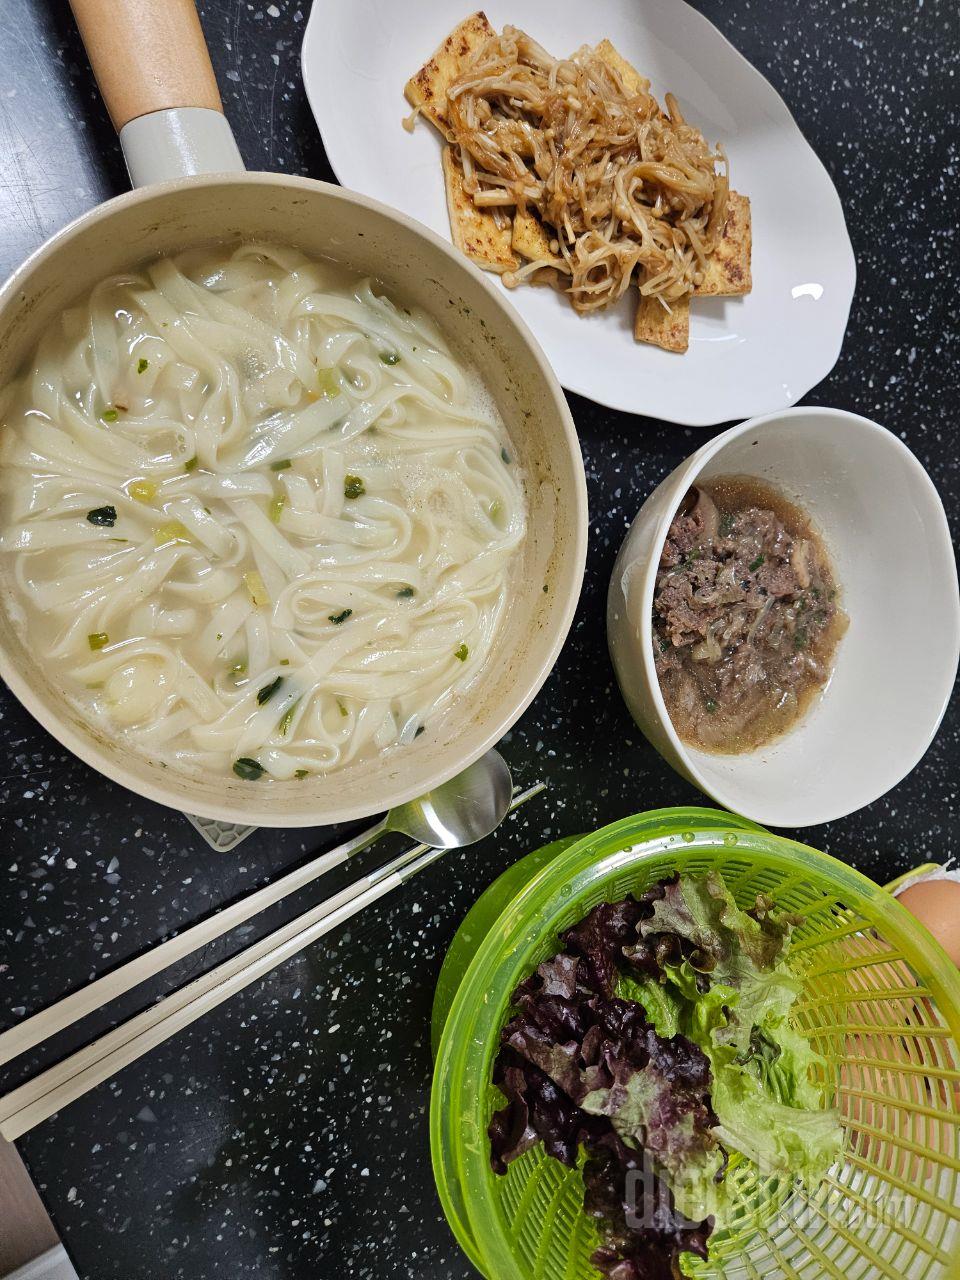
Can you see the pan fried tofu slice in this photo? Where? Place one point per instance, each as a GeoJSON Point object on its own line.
{"type": "Point", "coordinates": [428, 88]}
{"type": "Point", "coordinates": [475, 231]}
{"type": "Point", "coordinates": [532, 240]}
{"type": "Point", "coordinates": [653, 323]}
{"type": "Point", "coordinates": [728, 267]}
{"type": "Point", "coordinates": [633, 81]}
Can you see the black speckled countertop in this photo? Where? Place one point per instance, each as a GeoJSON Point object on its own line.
{"type": "Point", "coordinates": [285, 1135]}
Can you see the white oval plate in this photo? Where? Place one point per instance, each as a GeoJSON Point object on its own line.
{"type": "Point", "coordinates": [747, 356]}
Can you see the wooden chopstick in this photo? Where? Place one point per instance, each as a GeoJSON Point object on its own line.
{"type": "Point", "coordinates": [48, 1022]}
{"type": "Point", "coordinates": [40, 1098]}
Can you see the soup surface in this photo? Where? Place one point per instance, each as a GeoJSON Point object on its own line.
{"type": "Point", "coordinates": [746, 617]}
{"type": "Point", "coordinates": [255, 516]}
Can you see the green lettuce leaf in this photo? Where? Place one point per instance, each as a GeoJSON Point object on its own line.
{"type": "Point", "coordinates": [736, 994]}
{"type": "Point", "coordinates": [786, 1066]}
{"type": "Point", "coordinates": [662, 1003]}
{"type": "Point", "coordinates": [703, 1014]}
{"type": "Point", "coordinates": [759, 1000]}
{"type": "Point", "coordinates": [801, 1141]}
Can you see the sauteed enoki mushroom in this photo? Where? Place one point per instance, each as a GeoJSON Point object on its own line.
{"type": "Point", "coordinates": [571, 167]}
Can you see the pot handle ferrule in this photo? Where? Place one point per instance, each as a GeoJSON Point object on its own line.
{"type": "Point", "coordinates": [154, 71]}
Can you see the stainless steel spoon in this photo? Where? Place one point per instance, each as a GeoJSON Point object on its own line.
{"type": "Point", "coordinates": [459, 812]}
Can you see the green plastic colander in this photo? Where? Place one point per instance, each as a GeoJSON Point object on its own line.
{"type": "Point", "coordinates": [881, 1004]}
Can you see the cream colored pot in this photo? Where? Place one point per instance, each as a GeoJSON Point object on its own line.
{"type": "Point", "coordinates": [156, 77]}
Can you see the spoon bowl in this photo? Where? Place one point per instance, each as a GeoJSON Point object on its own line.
{"type": "Point", "coordinates": [460, 811]}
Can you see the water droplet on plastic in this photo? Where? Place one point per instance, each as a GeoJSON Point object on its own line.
{"type": "Point", "coordinates": [687, 837]}
{"type": "Point", "coordinates": [729, 838]}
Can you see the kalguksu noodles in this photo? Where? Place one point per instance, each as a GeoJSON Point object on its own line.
{"type": "Point", "coordinates": [255, 516]}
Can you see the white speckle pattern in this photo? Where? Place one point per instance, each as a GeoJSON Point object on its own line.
{"type": "Point", "coordinates": [285, 1136]}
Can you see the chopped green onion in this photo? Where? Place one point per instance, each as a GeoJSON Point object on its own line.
{"type": "Point", "coordinates": [420, 729]}
{"type": "Point", "coordinates": [342, 709]}
{"type": "Point", "coordinates": [256, 589]}
{"type": "Point", "coordinates": [301, 773]}
{"type": "Point", "coordinates": [98, 640]}
{"type": "Point", "coordinates": [110, 415]}
{"type": "Point", "coordinates": [505, 456]}
{"type": "Point", "coordinates": [757, 563]}
{"type": "Point", "coordinates": [142, 490]}
{"type": "Point", "coordinates": [328, 380]}
{"type": "Point", "coordinates": [287, 718]}
{"type": "Point", "coordinates": [191, 463]}
{"type": "Point", "coordinates": [353, 487]}
{"type": "Point", "coordinates": [665, 645]}
{"type": "Point", "coordinates": [143, 364]}
{"type": "Point", "coordinates": [389, 357]}
{"type": "Point", "coordinates": [104, 517]}
{"type": "Point", "coordinates": [249, 770]}
{"type": "Point", "coordinates": [545, 588]}
{"type": "Point", "coordinates": [239, 668]}
{"type": "Point", "coordinates": [284, 662]}
{"type": "Point", "coordinates": [800, 640]}
{"type": "Point", "coordinates": [268, 690]}
{"type": "Point", "coordinates": [726, 525]}
{"type": "Point", "coordinates": [462, 653]}
{"type": "Point", "coordinates": [406, 593]}
{"type": "Point", "coordinates": [710, 706]}
{"type": "Point", "coordinates": [281, 464]}
{"type": "Point", "coordinates": [337, 618]}
{"type": "Point", "coordinates": [495, 510]}
{"type": "Point", "coordinates": [173, 531]}
{"type": "Point", "coordinates": [276, 509]}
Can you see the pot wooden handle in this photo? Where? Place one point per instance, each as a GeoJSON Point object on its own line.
{"type": "Point", "coordinates": [147, 55]}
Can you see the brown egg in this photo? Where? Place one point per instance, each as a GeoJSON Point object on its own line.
{"type": "Point", "coordinates": [936, 904]}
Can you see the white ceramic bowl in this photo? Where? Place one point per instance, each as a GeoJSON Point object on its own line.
{"type": "Point", "coordinates": [886, 531]}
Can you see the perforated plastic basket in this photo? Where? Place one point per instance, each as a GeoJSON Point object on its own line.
{"type": "Point", "coordinates": [881, 1003]}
